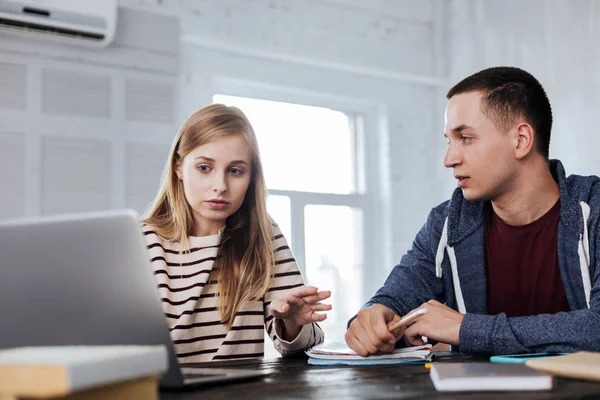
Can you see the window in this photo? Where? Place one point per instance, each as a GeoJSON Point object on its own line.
{"type": "Point", "coordinates": [311, 158]}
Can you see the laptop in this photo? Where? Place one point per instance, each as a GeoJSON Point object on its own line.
{"type": "Point", "coordinates": [86, 279]}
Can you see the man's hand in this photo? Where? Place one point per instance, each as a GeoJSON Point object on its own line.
{"type": "Point", "coordinates": [368, 333]}
{"type": "Point", "coordinates": [440, 324]}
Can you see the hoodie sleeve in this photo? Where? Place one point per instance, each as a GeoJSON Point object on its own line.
{"type": "Point", "coordinates": [413, 282]}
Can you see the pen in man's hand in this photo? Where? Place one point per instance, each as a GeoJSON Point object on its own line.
{"type": "Point", "coordinates": [407, 318]}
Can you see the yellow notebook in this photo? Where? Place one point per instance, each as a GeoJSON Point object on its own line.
{"type": "Point", "coordinates": [581, 365]}
{"type": "Point", "coordinates": [139, 389]}
{"type": "Point", "coordinates": [43, 372]}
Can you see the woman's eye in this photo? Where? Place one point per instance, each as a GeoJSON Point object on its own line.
{"type": "Point", "coordinates": [236, 171]}
{"type": "Point", "coordinates": [204, 168]}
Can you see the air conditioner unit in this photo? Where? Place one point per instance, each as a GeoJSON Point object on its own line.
{"type": "Point", "coordinates": [85, 22]}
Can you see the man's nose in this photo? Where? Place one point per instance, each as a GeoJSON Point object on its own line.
{"type": "Point", "coordinates": [452, 158]}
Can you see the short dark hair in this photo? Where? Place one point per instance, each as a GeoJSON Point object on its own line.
{"type": "Point", "coordinates": [508, 93]}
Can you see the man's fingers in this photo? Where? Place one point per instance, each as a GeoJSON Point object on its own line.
{"type": "Point", "coordinates": [355, 344]}
{"type": "Point", "coordinates": [382, 336]}
{"type": "Point", "coordinates": [376, 330]}
{"type": "Point", "coordinates": [398, 332]}
{"type": "Point", "coordinates": [412, 336]}
{"type": "Point", "coordinates": [362, 336]}
{"type": "Point", "coordinates": [415, 341]}
{"type": "Point", "coordinates": [374, 340]}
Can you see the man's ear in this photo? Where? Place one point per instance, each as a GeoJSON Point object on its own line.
{"type": "Point", "coordinates": [524, 144]}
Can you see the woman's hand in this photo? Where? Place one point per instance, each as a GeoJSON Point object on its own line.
{"type": "Point", "coordinates": [299, 306]}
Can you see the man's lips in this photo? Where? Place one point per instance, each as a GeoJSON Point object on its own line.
{"type": "Point", "coordinates": [462, 180]}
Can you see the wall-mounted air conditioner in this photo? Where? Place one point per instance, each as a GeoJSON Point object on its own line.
{"type": "Point", "coordinates": [85, 22]}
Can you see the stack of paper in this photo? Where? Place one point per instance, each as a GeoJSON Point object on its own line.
{"type": "Point", "coordinates": [335, 353]}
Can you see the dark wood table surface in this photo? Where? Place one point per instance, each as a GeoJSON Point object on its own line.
{"type": "Point", "coordinates": [293, 378]}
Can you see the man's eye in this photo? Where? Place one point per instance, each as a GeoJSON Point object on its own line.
{"type": "Point", "coordinates": [466, 139]}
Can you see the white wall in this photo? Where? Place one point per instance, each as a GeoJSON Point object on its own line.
{"type": "Point", "coordinates": [87, 129]}
{"type": "Point", "coordinates": [556, 41]}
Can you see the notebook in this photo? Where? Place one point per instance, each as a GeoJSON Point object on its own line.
{"type": "Point", "coordinates": [581, 365]}
{"type": "Point", "coordinates": [60, 370]}
{"type": "Point", "coordinates": [479, 376]}
{"type": "Point", "coordinates": [335, 353]}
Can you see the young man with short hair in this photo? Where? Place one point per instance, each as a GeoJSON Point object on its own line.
{"type": "Point", "coordinates": [510, 263]}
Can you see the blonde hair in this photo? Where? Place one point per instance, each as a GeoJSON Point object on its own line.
{"type": "Point", "coordinates": [244, 263]}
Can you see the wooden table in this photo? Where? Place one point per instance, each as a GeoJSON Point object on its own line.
{"type": "Point", "coordinates": [293, 378]}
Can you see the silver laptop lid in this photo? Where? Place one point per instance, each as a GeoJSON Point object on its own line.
{"type": "Point", "coordinates": [82, 279]}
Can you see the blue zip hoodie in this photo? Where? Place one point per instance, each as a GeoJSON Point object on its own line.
{"type": "Point", "coordinates": [447, 263]}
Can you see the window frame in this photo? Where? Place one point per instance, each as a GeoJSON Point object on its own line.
{"type": "Point", "coordinates": [371, 163]}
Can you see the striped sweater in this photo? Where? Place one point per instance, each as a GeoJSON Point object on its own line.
{"type": "Point", "coordinates": [187, 287]}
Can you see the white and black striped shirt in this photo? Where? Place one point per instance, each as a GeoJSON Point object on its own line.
{"type": "Point", "coordinates": [187, 287]}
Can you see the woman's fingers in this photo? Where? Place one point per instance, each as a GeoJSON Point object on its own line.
{"type": "Point", "coordinates": [279, 308]}
{"type": "Point", "coordinates": [320, 296]}
{"type": "Point", "coordinates": [303, 291]}
{"type": "Point", "coordinates": [320, 307]}
{"type": "Point", "coordinates": [316, 317]}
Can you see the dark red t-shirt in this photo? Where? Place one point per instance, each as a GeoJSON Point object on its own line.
{"type": "Point", "coordinates": [522, 266]}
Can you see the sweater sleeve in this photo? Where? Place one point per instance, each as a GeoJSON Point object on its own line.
{"type": "Point", "coordinates": [287, 276]}
{"type": "Point", "coordinates": [413, 282]}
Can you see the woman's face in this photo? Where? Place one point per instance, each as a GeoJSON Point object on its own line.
{"type": "Point", "coordinates": [215, 177]}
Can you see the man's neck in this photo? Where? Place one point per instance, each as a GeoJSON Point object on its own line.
{"type": "Point", "coordinates": [532, 196]}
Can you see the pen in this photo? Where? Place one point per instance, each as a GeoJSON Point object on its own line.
{"type": "Point", "coordinates": [407, 318]}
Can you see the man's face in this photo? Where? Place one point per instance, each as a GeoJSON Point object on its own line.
{"type": "Point", "coordinates": [481, 156]}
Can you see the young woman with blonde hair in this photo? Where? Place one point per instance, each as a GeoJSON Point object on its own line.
{"type": "Point", "coordinates": [223, 268]}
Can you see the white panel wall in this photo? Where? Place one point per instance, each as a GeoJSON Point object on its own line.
{"type": "Point", "coordinates": [87, 129]}
{"type": "Point", "coordinates": [74, 174]}
{"type": "Point", "coordinates": [13, 94]}
{"type": "Point", "coordinates": [12, 174]}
